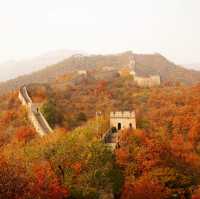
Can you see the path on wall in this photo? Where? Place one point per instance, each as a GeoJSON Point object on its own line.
{"type": "Point", "coordinates": [25, 95]}
{"type": "Point", "coordinates": [43, 123]}
{"type": "Point", "coordinates": [35, 116]}
{"type": "Point", "coordinates": [111, 138]}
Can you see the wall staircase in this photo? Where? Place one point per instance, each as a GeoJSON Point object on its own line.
{"type": "Point", "coordinates": [111, 139]}
{"type": "Point", "coordinates": [35, 116]}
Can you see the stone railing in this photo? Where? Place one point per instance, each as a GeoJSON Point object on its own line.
{"type": "Point", "coordinates": [35, 116]}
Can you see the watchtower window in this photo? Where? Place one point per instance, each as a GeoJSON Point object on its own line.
{"type": "Point", "coordinates": [119, 126]}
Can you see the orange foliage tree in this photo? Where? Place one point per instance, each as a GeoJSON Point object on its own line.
{"type": "Point", "coordinates": [7, 117]}
{"type": "Point", "coordinates": [144, 188]}
{"type": "Point", "coordinates": [13, 181]}
{"type": "Point", "coordinates": [196, 194]}
{"type": "Point", "coordinates": [46, 184]}
{"type": "Point", "coordinates": [25, 134]}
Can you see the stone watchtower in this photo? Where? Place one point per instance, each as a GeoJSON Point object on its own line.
{"type": "Point", "coordinates": [123, 120]}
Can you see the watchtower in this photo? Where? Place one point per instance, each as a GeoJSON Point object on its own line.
{"type": "Point", "coordinates": [123, 120]}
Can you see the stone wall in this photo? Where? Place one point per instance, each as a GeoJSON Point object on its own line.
{"type": "Point", "coordinates": [83, 72]}
{"type": "Point", "coordinates": [33, 119]}
{"type": "Point", "coordinates": [151, 81]}
{"type": "Point", "coordinates": [147, 81]}
{"type": "Point", "coordinates": [125, 119]}
{"type": "Point", "coordinates": [24, 97]}
{"type": "Point", "coordinates": [35, 116]}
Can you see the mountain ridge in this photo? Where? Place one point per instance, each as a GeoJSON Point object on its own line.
{"type": "Point", "coordinates": [147, 64]}
{"type": "Point", "coordinates": [22, 67]}
{"type": "Point", "coordinates": [194, 66]}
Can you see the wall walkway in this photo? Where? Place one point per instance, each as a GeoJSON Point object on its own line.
{"type": "Point", "coordinates": [35, 116]}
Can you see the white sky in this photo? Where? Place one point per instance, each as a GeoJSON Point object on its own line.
{"type": "Point", "coordinates": [32, 27]}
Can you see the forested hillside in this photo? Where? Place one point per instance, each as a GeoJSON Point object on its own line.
{"type": "Point", "coordinates": [158, 160]}
{"type": "Point", "coordinates": [169, 72]}
{"type": "Point", "coordinates": [145, 65]}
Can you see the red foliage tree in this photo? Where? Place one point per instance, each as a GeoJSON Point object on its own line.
{"type": "Point", "coordinates": [196, 194]}
{"type": "Point", "coordinates": [13, 181]}
{"type": "Point", "coordinates": [194, 134]}
{"type": "Point", "coordinates": [184, 150]}
{"type": "Point", "coordinates": [25, 134]}
{"type": "Point", "coordinates": [122, 156]}
{"type": "Point", "coordinates": [7, 117]}
{"type": "Point", "coordinates": [144, 188]}
{"type": "Point", "coordinates": [76, 167]}
{"type": "Point", "coordinates": [150, 156]}
{"type": "Point", "coordinates": [46, 184]}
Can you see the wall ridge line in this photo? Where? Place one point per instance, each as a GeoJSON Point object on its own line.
{"type": "Point", "coordinates": [35, 116]}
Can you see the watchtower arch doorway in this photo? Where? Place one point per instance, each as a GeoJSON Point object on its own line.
{"type": "Point", "coordinates": [119, 126]}
{"type": "Point", "coordinates": [122, 120]}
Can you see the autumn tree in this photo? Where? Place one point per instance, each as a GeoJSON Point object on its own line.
{"type": "Point", "coordinates": [46, 183]}
{"type": "Point", "coordinates": [145, 188]}
{"type": "Point", "coordinates": [50, 113]}
{"type": "Point", "coordinates": [13, 180]}
{"type": "Point", "coordinates": [25, 134]}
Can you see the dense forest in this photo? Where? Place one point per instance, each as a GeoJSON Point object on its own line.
{"type": "Point", "coordinates": [158, 160]}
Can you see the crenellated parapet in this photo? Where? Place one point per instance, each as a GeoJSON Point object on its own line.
{"type": "Point", "coordinates": [123, 120]}
{"type": "Point", "coordinates": [122, 114]}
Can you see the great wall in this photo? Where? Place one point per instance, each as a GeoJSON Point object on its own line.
{"type": "Point", "coordinates": [34, 114]}
{"type": "Point", "coordinates": [143, 82]}
{"type": "Point", "coordinates": [119, 121]}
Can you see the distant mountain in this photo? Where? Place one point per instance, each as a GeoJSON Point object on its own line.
{"type": "Point", "coordinates": [195, 66]}
{"type": "Point", "coordinates": [13, 69]}
{"type": "Point", "coordinates": [146, 64]}
{"type": "Point", "coordinates": [169, 71]}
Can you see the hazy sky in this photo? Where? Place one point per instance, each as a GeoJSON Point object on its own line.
{"type": "Point", "coordinates": [32, 27]}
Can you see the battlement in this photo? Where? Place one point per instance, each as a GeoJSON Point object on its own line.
{"type": "Point", "coordinates": [123, 120]}
{"type": "Point", "coordinates": [122, 114]}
